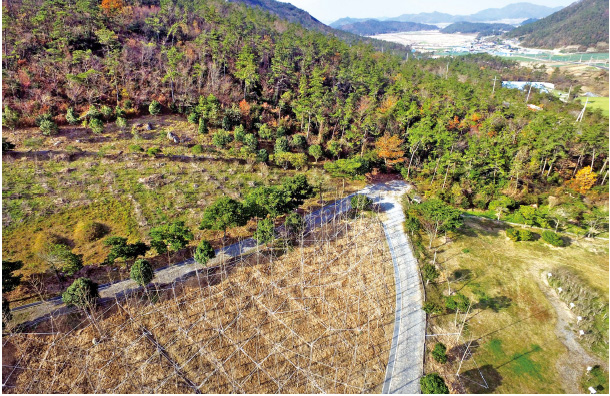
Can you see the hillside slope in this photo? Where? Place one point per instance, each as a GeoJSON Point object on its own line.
{"type": "Point", "coordinates": [372, 27]}
{"type": "Point", "coordinates": [584, 23]}
{"type": "Point", "coordinates": [296, 15]}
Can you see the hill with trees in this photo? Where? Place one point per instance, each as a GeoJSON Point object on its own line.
{"type": "Point", "coordinates": [294, 14]}
{"type": "Point", "coordinates": [253, 97]}
{"type": "Point", "coordinates": [485, 29]}
{"type": "Point", "coordinates": [372, 27]}
{"type": "Point", "coordinates": [584, 23]}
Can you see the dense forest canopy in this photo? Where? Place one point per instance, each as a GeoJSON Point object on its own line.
{"type": "Point", "coordinates": [234, 65]}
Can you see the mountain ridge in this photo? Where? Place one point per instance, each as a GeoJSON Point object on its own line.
{"type": "Point", "coordinates": [583, 23]}
{"type": "Point", "coordinates": [521, 10]}
{"type": "Point", "coordinates": [373, 27]}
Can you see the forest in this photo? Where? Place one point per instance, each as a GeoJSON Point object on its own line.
{"type": "Point", "coordinates": [240, 72]}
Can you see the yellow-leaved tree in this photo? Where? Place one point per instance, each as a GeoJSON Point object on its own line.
{"type": "Point", "coordinates": [390, 150]}
{"type": "Point", "coordinates": [584, 180]}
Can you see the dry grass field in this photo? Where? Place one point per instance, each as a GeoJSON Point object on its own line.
{"type": "Point", "coordinates": [313, 318]}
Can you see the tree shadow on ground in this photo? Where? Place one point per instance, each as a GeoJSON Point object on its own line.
{"type": "Point", "coordinates": [494, 303]}
{"type": "Point", "coordinates": [485, 379]}
{"type": "Point", "coordinates": [458, 352]}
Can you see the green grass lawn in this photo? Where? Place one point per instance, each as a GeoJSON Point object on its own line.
{"type": "Point", "coordinates": [511, 323]}
{"type": "Point", "coordinates": [602, 103]}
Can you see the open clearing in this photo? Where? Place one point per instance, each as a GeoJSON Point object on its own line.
{"type": "Point", "coordinates": [598, 103]}
{"type": "Point", "coordinates": [519, 337]}
{"type": "Point", "coordinates": [318, 318]}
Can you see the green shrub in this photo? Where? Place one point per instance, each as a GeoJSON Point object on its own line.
{"type": "Point", "coordinates": [193, 118]}
{"type": "Point", "coordinates": [432, 308]}
{"type": "Point", "coordinates": [552, 238]}
{"type": "Point", "coordinates": [83, 293]}
{"type": "Point", "coordinates": [439, 353]}
{"type": "Point", "coordinates": [240, 133]}
{"type": "Point", "coordinates": [154, 108]}
{"type": "Point", "coordinates": [465, 250]}
{"type": "Point", "coordinates": [265, 231]}
{"type": "Point", "coordinates": [119, 111]}
{"type": "Point", "coordinates": [197, 149]}
{"type": "Point", "coordinates": [204, 252]}
{"type": "Point", "coordinates": [457, 301]}
{"type": "Point", "coordinates": [107, 112]}
{"type": "Point", "coordinates": [72, 117]}
{"type": "Point", "coordinates": [361, 202]}
{"type": "Point", "coordinates": [281, 131]}
{"type": "Point", "coordinates": [281, 145]}
{"type": "Point", "coordinates": [433, 384]}
{"type": "Point", "coordinates": [135, 148]}
{"type": "Point", "coordinates": [265, 132]}
{"type": "Point", "coordinates": [294, 224]}
{"type": "Point", "coordinates": [142, 272]}
{"type": "Point", "coordinates": [299, 142]}
{"type": "Point", "coordinates": [429, 272]}
{"type": "Point", "coordinates": [48, 127]}
{"type": "Point", "coordinates": [315, 151]}
{"type": "Point", "coordinates": [262, 155]}
{"type": "Point", "coordinates": [10, 118]}
{"type": "Point", "coordinates": [153, 151]}
{"type": "Point", "coordinates": [93, 112]}
{"type": "Point", "coordinates": [250, 141]}
{"type": "Point", "coordinates": [526, 235]}
{"type": "Point", "coordinates": [513, 234]}
{"type": "Point", "coordinates": [221, 138]}
{"type": "Point", "coordinates": [121, 122]}
{"type": "Point", "coordinates": [96, 125]}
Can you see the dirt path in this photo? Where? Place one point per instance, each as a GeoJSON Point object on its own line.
{"type": "Point", "coordinates": [576, 359]}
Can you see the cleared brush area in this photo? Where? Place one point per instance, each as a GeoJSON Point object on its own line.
{"type": "Point", "coordinates": [49, 184]}
{"type": "Point", "coordinates": [313, 318]}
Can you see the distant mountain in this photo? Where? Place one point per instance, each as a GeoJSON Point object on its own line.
{"type": "Point", "coordinates": [296, 15]}
{"type": "Point", "coordinates": [511, 11]}
{"type": "Point", "coordinates": [345, 21]}
{"type": "Point", "coordinates": [584, 23]}
{"type": "Point", "coordinates": [486, 29]}
{"type": "Point", "coordinates": [428, 17]}
{"type": "Point", "coordinates": [372, 27]}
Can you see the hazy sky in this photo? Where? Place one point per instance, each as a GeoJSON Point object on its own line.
{"type": "Point", "coordinates": [331, 10]}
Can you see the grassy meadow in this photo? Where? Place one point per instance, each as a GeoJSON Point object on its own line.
{"type": "Point", "coordinates": [512, 327]}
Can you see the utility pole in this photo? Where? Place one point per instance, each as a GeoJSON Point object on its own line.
{"type": "Point", "coordinates": [528, 93]}
{"type": "Point", "coordinates": [582, 112]}
{"type": "Point", "coordinates": [447, 71]}
{"type": "Point", "coordinates": [494, 88]}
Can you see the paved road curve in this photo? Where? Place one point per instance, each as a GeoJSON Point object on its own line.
{"type": "Point", "coordinates": [407, 351]}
